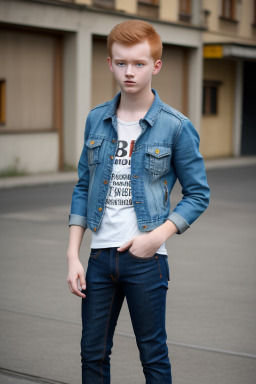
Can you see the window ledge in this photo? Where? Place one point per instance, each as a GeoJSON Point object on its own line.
{"type": "Point", "coordinates": [185, 17]}
{"type": "Point", "coordinates": [148, 4]}
{"type": "Point", "coordinates": [229, 19]}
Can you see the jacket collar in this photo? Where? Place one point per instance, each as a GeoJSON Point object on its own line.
{"type": "Point", "coordinates": [150, 116]}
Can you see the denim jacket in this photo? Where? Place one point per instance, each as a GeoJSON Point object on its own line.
{"type": "Point", "coordinates": [166, 149]}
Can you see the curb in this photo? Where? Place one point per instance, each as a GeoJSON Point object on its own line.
{"type": "Point", "coordinates": [71, 177]}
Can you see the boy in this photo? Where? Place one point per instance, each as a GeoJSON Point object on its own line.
{"type": "Point", "coordinates": [135, 147]}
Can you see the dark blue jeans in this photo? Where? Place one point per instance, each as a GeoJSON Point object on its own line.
{"type": "Point", "coordinates": [110, 277]}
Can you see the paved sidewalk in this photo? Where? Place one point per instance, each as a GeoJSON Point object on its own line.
{"type": "Point", "coordinates": [9, 377]}
{"type": "Point", "coordinates": [66, 177]}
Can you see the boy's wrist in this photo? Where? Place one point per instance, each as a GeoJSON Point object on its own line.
{"type": "Point", "coordinates": [164, 231]}
{"type": "Point", "coordinates": [72, 254]}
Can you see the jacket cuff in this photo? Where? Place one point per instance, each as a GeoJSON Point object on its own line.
{"type": "Point", "coordinates": [179, 221]}
{"type": "Point", "coordinates": [77, 220]}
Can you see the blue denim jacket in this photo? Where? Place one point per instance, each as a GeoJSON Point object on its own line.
{"type": "Point", "coordinates": [166, 149]}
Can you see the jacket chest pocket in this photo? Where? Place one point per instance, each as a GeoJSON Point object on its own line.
{"type": "Point", "coordinates": [94, 151]}
{"type": "Point", "coordinates": [158, 159]}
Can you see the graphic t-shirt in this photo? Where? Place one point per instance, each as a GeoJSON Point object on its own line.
{"type": "Point", "coordinates": [119, 222]}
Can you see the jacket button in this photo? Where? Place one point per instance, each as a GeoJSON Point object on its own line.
{"type": "Point", "coordinates": [113, 141]}
{"type": "Point", "coordinates": [92, 142]}
{"type": "Point", "coordinates": [105, 181]}
{"type": "Point", "coordinates": [100, 209]}
{"type": "Point", "coordinates": [111, 157]}
{"type": "Point", "coordinates": [157, 151]}
{"type": "Point", "coordinates": [144, 226]}
{"type": "Point", "coordinates": [95, 229]}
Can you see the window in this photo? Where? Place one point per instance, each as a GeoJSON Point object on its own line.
{"type": "Point", "coordinates": [210, 97]}
{"type": "Point", "coordinates": [104, 3]}
{"type": "Point", "coordinates": [229, 9]}
{"type": "Point", "coordinates": [185, 10]}
{"type": "Point", "coordinates": [2, 101]}
{"type": "Point", "coordinates": [154, 2]}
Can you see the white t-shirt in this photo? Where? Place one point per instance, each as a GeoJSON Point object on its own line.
{"type": "Point", "coordinates": [119, 222]}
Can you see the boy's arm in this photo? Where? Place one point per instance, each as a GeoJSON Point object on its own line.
{"type": "Point", "coordinates": [75, 268]}
{"type": "Point", "coordinates": [190, 171]}
{"type": "Point", "coordinates": [78, 211]}
{"type": "Point", "coordinates": [77, 222]}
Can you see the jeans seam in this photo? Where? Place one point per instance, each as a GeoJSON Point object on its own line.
{"type": "Point", "coordinates": [159, 267]}
{"type": "Point", "coordinates": [105, 341]}
{"type": "Point", "coordinates": [117, 265]}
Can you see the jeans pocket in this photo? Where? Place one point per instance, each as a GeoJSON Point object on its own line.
{"type": "Point", "coordinates": [167, 266]}
{"type": "Point", "coordinates": [95, 252]}
{"type": "Point", "coordinates": [141, 258]}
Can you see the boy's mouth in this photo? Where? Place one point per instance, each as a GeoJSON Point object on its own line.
{"type": "Point", "coordinates": [129, 82]}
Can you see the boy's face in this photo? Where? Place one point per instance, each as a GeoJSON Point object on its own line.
{"type": "Point", "coordinates": [133, 66]}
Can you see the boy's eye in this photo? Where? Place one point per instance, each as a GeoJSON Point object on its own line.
{"type": "Point", "coordinates": [139, 65]}
{"type": "Point", "coordinates": [120, 64]}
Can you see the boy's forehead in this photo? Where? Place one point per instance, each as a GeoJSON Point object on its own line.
{"type": "Point", "coordinates": [135, 51]}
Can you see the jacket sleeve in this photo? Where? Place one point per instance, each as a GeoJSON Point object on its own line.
{"type": "Point", "coordinates": [78, 211]}
{"type": "Point", "coordinates": [190, 170]}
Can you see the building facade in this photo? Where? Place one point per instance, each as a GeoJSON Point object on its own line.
{"type": "Point", "coordinates": [53, 70]}
{"type": "Point", "coordinates": [229, 78]}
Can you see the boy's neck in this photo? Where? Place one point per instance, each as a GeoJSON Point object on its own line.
{"type": "Point", "coordinates": [133, 107]}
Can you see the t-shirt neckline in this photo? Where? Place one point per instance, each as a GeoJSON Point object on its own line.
{"type": "Point", "coordinates": [127, 122]}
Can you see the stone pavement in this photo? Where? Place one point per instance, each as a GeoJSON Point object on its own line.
{"type": "Point", "coordinates": [211, 306]}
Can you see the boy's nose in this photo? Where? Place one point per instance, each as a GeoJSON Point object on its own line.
{"type": "Point", "coordinates": [129, 70]}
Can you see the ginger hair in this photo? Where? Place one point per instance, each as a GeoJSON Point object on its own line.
{"type": "Point", "coordinates": [133, 32]}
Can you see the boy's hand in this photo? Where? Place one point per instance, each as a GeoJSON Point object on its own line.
{"type": "Point", "coordinates": [146, 245]}
{"type": "Point", "coordinates": [142, 245]}
{"type": "Point", "coordinates": [75, 273]}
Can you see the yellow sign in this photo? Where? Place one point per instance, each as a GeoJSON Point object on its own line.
{"type": "Point", "coordinates": [213, 52]}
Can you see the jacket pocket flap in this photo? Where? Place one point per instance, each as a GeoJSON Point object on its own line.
{"type": "Point", "coordinates": [158, 151]}
{"type": "Point", "coordinates": [93, 143]}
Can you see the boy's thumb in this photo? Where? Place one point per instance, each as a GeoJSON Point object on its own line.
{"type": "Point", "coordinates": [82, 282]}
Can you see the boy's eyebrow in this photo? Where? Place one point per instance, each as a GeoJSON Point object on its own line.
{"type": "Point", "coordinates": [135, 61]}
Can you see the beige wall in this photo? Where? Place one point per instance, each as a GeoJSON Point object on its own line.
{"type": "Point", "coordinates": [127, 6]}
{"type": "Point", "coordinates": [216, 131]}
{"type": "Point", "coordinates": [27, 65]}
{"type": "Point", "coordinates": [221, 30]}
{"type": "Point", "coordinates": [103, 84]}
{"type": "Point", "coordinates": [169, 10]}
{"type": "Point", "coordinates": [169, 82]}
{"type": "Point", "coordinates": [30, 152]}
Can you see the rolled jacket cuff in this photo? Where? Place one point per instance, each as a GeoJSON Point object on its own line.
{"type": "Point", "coordinates": [179, 221]}
{"type": "Point", "coordinates": [77, 220]}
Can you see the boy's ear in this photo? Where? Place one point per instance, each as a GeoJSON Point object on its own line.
{"type": "Point", "coordinates": [157, 67]}
{"type": "Point", "coordinates": [110, 64]}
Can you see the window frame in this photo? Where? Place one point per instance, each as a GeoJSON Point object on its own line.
{"type": "Point", "coordinates": [185, 10]}
{"type": "Point", "coordinates": [2, 102]}
{"type": "Point", "coordinates": [207, 98]}
{"type": "Point", "coordinates": [229, 10]}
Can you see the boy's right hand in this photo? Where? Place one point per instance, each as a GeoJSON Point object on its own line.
{"type": "Point", "coordinates": [75, 273]}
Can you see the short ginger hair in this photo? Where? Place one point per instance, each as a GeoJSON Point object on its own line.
{"type": "Point", "coordinates": [133, 32]}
